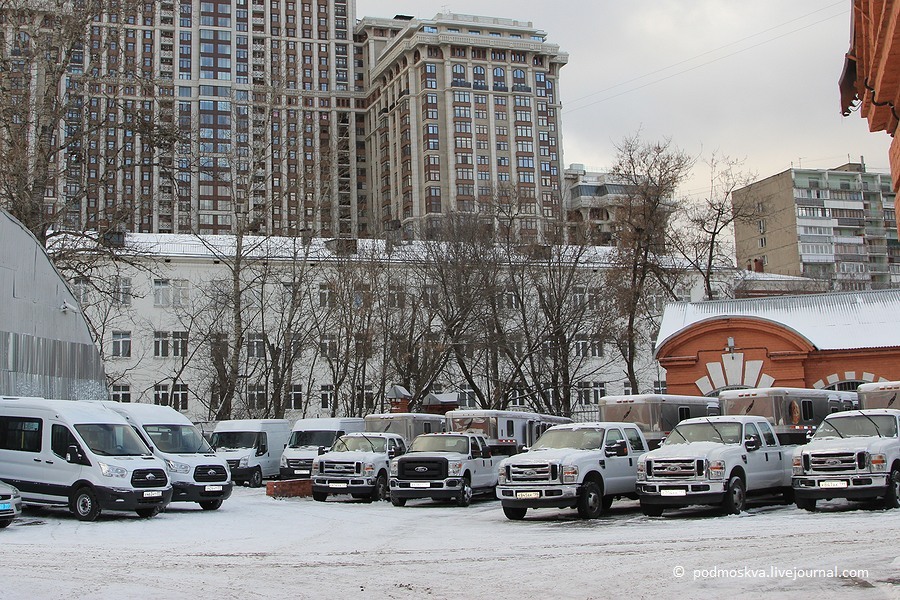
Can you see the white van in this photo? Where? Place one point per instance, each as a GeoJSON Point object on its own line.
{"type": "Point", "coordinates": [251, 447]}
{"type": "Point", "coordinates": [308, 436]}
{"type": "Point", "coordinates": [197, 473]}
{"type": "Point", "coordinates": [79, 455]}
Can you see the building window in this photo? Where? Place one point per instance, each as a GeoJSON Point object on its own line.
{"type": "Point", "coordinates": [659, 387]}
{"type": "Point", "coordinates": [161, 394]}
{"type": "Point", "coordinates": [256, 346]}
{"type": "Point", "coordinates": [121, 344]}
{"type": "Point", "coordinates": [327, 395]}
{"type": "Point", "coordinates": [120, 393]}
{"type": "Point", "coordinates": [170, 292]}
{"type": "Point", "coordinates": [122, 294]}
{"type": "Point", "coordinates": [161, 344]}
{"type": "Point", "coordinates": [626, 388]}
{"type": "Point", "coordinates": [180, 396]}
{"type": "Point", "coordinates": [295, 398]}
{"type": "Point", "coordinates": [256, 396]}
{"type": "Point", "coordinates": [180, 343]}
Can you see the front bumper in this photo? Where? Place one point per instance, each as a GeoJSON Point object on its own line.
{"type": "Point", "coordinates": [851, 486]}
{"type": "Point", "coordinates": [14, 510]}
{"type": "Point", "coordinates": [125, 499]}
{"type": "Point", "coordinates": [201, 492]}
{"type": "Point", "coordinates": [344, 485]}
{"type": "Point", "coordinates": [683, 493]}
{"type": "Point", "coordinates": [531, 496]}
{"type": "Point", "coordinates": [445, 489]}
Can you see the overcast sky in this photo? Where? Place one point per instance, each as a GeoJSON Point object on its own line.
{"type": "Point", "coordinates": [750, 79]}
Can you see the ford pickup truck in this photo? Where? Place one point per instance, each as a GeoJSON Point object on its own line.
{"type": "Point", "coordinates": [716, 460]}
{"type": "Point", "coordinates": [853, 455]}
{"type": "Point", "coordinates": [357, 464]}
{"type": "Point", "coordinates": [444, 466]}
{"type": "Point", "coordinates": [579, 465]}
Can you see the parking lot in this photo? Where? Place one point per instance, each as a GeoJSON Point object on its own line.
{"type": "Point", "coordinates": [259, 547]}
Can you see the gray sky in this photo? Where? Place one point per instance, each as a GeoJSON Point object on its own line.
{"type": "Point", "coordinates": [750, 79]}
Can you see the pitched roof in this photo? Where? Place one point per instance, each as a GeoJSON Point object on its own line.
{"type": "Point", "coordinates": [834, 321]}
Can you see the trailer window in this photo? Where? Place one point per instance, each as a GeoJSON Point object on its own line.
{"type": "Point", "coordinates": [806, 407]}
{"type": "Point", "coordinates": [684, 412]}
{"type": "Point", "coordinates": [510, 429]}
{"type": "Point", "coordinates": [17, 433]}
{"type": "Point", "coordinates": [426, 427]}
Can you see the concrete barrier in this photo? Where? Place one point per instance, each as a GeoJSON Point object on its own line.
{"type": "Point", "coordinates": [289, 488]}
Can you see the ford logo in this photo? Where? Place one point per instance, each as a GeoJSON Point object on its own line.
{"type": "Point", "coordinates": [673, 468]}
{"type": "Point", "coordinates": [529, 473]}
{"type": "Point", "coordinates": [833, 462]}
{"type": "Point", "coordinates": [211, 472]}
{"type": "Point", "coordinates": [421, 469]}
{"type": "Point", "coordinates": [150, 476]}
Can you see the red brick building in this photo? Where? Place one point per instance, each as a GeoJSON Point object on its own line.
{"type": "Point", "coordinates": [814, 341]}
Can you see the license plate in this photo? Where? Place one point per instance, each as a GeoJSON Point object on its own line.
{"type": "Point", "coordinates": [5, 506]}
{"type": "Point", "coordinates": [337, 485]}
{"type": "Point", "coordinates": [419, 484]}
{"type": "Point", "coordinates": [832, 484]}
{"type": "Point", "coordinates": [672, 492]}
{"type": "Point", "coordinates": [213, 488]}
{"type": "Point", "coordinates": [153, 494]}
{"type": "Point", "coordinates": [528, 495]}
{"type": "Point", "coordinates": [301, 472]}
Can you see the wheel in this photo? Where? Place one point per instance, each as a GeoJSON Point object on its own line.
{"type": "Point", "coordinates": [381, 491]}
{"type": "Point", "coordinates": [806, 503]}
{"type": "Point", "coordinates": [590, 503]}
{"type": "Point", "coordinates": [892, 497]}
{"type": "Point", "coordinates": [256, 478]}
{"type": "Point", "coordinates": [146, 513]}
{"type": "Point", "coordinates": [652, 510]}
{"type": "Point", "coordinates": [5, 523]}
{"type": "Point", "coordinates": [787, 495]}
{"type": "Point", "coordinates": [514, 513]}
{"type": "Point", "coordinates": [607, 502]}
{"type": "Point", "coordinates": [735, 496]}
{"type": "Point", "coordinates": [211, 504]}
{"type": "Point", "coordinates": [320, 496]}
{"type": "Point", "coordinates": [84, 504]}
{"type": "Point", "coordinates": [464, 498]}
{"type": "Point", "coordinates": [398, 501]}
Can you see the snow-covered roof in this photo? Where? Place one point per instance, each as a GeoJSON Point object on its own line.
{"type": "Point", "coordinates": [832, 321]}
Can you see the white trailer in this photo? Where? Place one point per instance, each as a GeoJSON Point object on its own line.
{"type": "Point", "coordinates": [506, 431]}
{"type": "Point", "coordinates": [406, 425]}
{"type": "Point", "coordinates": [655, 414]}
{"type": "Point", "coordinates": [883, 394]}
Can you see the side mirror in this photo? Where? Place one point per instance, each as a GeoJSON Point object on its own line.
{"type": "Point", "coordinates": [261, 450]}
{"type": "Point", "coordinates": [751, 444]}
{"type": "Point", "coordinates": [487, 453]}
{"type": "Point", "coordinates": [392, 453]}
{"type": "Point", "coordinates": [74, 456]}
{"type": "Point", "coordinates": [616, 449]}
{"type": "Point", "coordinates": [321, 450]}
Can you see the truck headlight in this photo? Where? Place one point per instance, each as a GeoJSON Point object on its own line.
{"type": "Point", "coordinates": [244, 462]}
{"type": "Point", "coordinates": [716, 469]}
{"type": "Point", "coordinates": [177, 467]}
{"type": "Point", "coordinates": [394, 468]}
{"type": "Point", "coordinates": [570, 474]}
{"type": "Point", "coordinates": [368, 469]}
{"type": "Point", "coordinates": [797, 465]}
{"type": "Point", "coordinates": [501, 474]}
{"type": "Point", "coordinates": [877, 463]}
{"type": "Point", "coordinates": [454, 468]}
{"type": "Point", "coordinates": [642, 470]}
{"type": "Point", "coordinates": [111, 471]}
{"type": "Point", "coordinates": [283, 461]}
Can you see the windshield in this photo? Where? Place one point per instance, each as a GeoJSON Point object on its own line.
{"type": "Point", "coordinates": [580, 439]}
{"type": "Point", "coordinates": [857, 426]}
{"type": "Point", "coordinates": [177, 439]}
{"type": "Point", "coordinates": [234, 440]}
{"type": "Point", "coordinates": [313, 438]}
{"type": "Point", "coordinates": [112, 440]}
{"type": "Point", "coordinates": [720, 432]}
{"type": "Point", "coordinates": [359, 443]}
{"type": "Point", "coordinates": [441, 443]}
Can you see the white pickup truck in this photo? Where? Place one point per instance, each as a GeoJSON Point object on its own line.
{"type": "Point", "coordinates": [717, 461]}
{"type": "Point", "coordinates": [579, 465]}
{"type": "Point", "coordinates": [444, 466]}
{"type": "Point", "coordinates": [357, 464]}
{"type": "Point", "coordinates": [854, 455]}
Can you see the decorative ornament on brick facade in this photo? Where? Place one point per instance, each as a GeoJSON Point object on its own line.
{"type": "Point", "coordinates": [733, 372]}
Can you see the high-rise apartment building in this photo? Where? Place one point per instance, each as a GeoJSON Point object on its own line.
{"type": "Point", "coordinates": [837, 225]}
{"type": "Point", "coordinates": [463, 117]}
{"type": "Point", "coordinates": [281, 116]}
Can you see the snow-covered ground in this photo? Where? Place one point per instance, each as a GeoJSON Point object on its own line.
{"type": "Point", "coordinates": [259, 547]}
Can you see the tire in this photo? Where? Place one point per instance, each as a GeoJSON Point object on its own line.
{"type": "Point", "coordinates": [255, 478]}
{"type": "Point", "coordinates": [320, 496]}
{"type": "Point", "coordinates": [4, 523]}
{"type": "Point", "coordinates": [892, 497]}
{"type": "Point", "coordinates": [381, 491]}
{"type": "Point", "coordinates": [590, 502]}
{"type": "Point", "coordinates": [735, 501]}
{"type": "Point", "coordinates": [398, 501]}
{"type": "Point", "coordinates": [210, 504]}
{"type": "Point", "coordinates": [806, 503]}
{"type": "Point", "coordinates": [607, 502]}
{"type": "Point", "coordinates": [652, 510]}
{"type": "Point", "coordinates": [84, 504]}
{"type": "Point", "coordinates": [146, 513]}
{"type": "Point", "coordinates": [514, 513]}
{"type": "Point", "coordinates": [464, 498]}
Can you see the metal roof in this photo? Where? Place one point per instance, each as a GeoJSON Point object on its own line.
{"type": "Point", "coordinates": [834, 321]}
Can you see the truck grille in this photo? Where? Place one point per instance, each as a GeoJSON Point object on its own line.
{"type": "Point", "coordinates": [300, 463]}
{"type": "Point", "coordinates": [340, 468]}
{"type": "Point", "coordinates": [423, 469]}
{"type": "Point", "coordinates": [233, 464]}
{"type": "Point", "coordinates": [149, 478]}
{"type": "Point", "coordinates": [207, 473]}
{"type": "Point", "coordinates": [675, 468]}
{"type": "Point", "coordinates": [836, 462]}
{"type": "Point", "coordinates": [533, 472]}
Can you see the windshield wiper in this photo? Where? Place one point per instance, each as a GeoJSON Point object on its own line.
{"type": "Point", "coordinates": [836, 430]}
{"type": "Point", "coordinates": [365, 437]}
{"type": "Point", "coordinates": [718, 433]}
{"type": "Point", "coordinates": [877, 429]}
